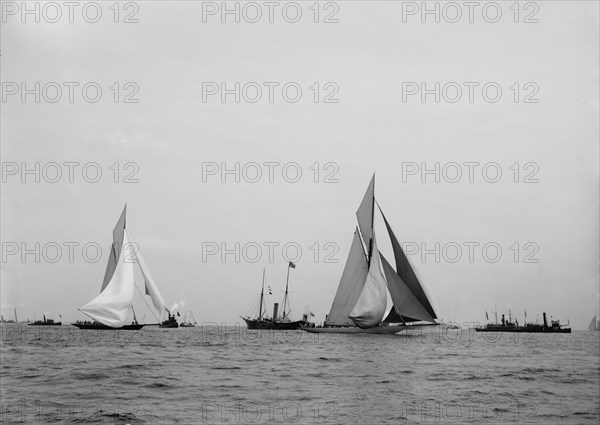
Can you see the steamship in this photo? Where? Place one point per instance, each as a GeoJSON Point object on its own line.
{"type": "Point", "coordinates": [278, 321]}
{"type": "Point", "coordinates": [510, 326]}
{"type": "Point", "coordinates": [45, 322]}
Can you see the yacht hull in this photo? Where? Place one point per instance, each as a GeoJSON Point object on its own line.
{"type": "Point", "coordinates": [100, 326]}
{"type": "Point", "coordinates": [356, 330]}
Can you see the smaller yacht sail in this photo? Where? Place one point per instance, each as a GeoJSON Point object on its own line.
{"type": "Point", "coordinates": [594, 325]}
{"type": "Point", "coordinates": [111, 307]}
{"type": "Point", "coordinates": [150, 285]}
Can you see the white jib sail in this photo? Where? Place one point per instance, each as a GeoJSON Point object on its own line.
{"type": "Point", "coordinates": [371, 306]}
{"type": "Point", "coordinates": [151, 287]}
{"type": "Point", "coordinates": [114, 302]}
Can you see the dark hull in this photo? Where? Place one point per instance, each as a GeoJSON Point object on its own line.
{"type": "Point", "coordinates": [101, 326]}
{"type": "Point", "coordinates": [45, 324]}
{"type": "Point", "coordinates": [356, 330]}
{"type": "Point", "coordinates": [524, 329]}
{"type": "Point", "coordinates": [269, 324]}
{"type": "Point", "coordinates": [171, 322]}
{"type": "Point", "coordinates": [380, 330]}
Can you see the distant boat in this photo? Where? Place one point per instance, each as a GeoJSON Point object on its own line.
{"type": "Point", "coordinates": [510, 326]}
{"type": "Point", "coordinates": [188, 320]}
{"type": "Point", "coordinates": [277, 322]}
{"type": "Point", "coordinates": [110, 309]}
{"type": "Point", "coordinates": [452, 325]}
{"type": "Point", "coordinates": [171, 322]}
{"type": "Point", "coordinates": [45, 322]}
{"type": "Point", "coordinates": [360, 303]}
{"type": "Point", "coordinates": [594, 325]}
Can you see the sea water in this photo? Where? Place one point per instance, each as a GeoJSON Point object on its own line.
{"type": "Point", "coordinates": [217, 374]}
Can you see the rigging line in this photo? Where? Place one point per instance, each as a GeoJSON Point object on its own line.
{"type": "Point", "coordinates": [145, 302]}
{"type": "Point", "coordinates": [95, 283]}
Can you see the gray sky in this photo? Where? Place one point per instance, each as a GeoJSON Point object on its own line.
{"type": "Point", "coordinates": [368, 55]}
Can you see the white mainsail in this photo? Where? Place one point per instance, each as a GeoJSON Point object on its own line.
{"type": "Point", "coordinates": [114, 302]}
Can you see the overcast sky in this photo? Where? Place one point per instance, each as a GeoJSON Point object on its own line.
{"type": "Point", "coordinates": [371, 58]}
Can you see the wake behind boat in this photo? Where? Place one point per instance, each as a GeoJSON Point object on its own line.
{"type": "Point", "coordinates": [360, 302]}
{"type": "Point", "coordinates": [110, 309]}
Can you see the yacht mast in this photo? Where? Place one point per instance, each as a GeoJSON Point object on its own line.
{"type": "Point", "coordinates": [285, 297]}
{"type": "Point", "coordinates": [262, 295]}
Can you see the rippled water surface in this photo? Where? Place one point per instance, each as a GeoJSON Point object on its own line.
{"type": "Point", "coordinates": [216, 375]}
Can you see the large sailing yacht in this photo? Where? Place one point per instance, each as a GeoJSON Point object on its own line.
{"type": "Point", "coordinates": [360, 304]}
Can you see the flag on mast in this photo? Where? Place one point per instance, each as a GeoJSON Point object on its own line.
{"type": "Point", "coordinates": [292, 265]}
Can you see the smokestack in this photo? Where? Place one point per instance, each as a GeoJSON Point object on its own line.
{"type": "Point", "coordinates": [275, 308]}
{"type": "Point", "coordinates": [545, 321]}
{"type": "Point", "coordinates": [503, 320]}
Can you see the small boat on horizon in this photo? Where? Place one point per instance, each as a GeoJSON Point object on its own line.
{"type": "Point", "coordinates": [45, 322]}
{"type": "Point", "coordinates": [277, 322]}
{"type": "Point", "coordinates": [451, 325]}
{"type": "Point", "coordinates": [188, 320]}
{"type": "Point", "coordinates": [360, 303]}
{"type": "Point", "coordinates": [110, 309]}
{"type": "Point", "coordinates": [171, 322]}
